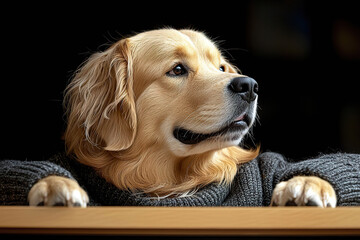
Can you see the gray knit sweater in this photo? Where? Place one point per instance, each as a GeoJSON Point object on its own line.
{"type": "Point", "coordinates": [252, 186]}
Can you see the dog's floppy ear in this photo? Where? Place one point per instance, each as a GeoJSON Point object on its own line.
{"type": "Point", "coordinates": [100, 101]}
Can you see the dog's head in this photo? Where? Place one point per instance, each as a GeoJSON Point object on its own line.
{"type": "Point", "coordinates": [166, 88]}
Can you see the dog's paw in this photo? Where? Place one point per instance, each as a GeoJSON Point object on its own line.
{"type": "Point", "coordinates": [304, 191]}
{"type": "Point", "coordinates": [57, 191]}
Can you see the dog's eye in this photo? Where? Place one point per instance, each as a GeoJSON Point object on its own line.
{"type": "Point", "coordinates": [222, 68]}
{"type": "Point", "coordinates": [178, 70]}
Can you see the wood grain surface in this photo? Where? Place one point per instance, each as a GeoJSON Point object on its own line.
{"type": "Point", "coordinates": [183, 221]}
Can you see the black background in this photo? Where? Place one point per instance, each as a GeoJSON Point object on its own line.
{"type": "Point", "coordinates": [305, 56]}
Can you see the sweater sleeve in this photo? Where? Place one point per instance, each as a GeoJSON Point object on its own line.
{"type": "Point", "coordinates": [341, 170]}
{"type": "Point", "coordinates": [17, 178]}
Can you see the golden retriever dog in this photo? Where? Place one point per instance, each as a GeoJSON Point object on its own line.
{"type": "Point", "coordinates": [162, 112]}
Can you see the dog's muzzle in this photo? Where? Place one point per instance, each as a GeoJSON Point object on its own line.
{"type": "Point", "coordinates": [244, 88]}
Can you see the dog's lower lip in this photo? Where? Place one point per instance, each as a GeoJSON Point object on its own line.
{"type": "Point", "coordinates": [240, 118]}
{"type": "Point", "coordinates": [188, 137]}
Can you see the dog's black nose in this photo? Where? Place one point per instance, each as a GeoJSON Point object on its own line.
{"type": "Point", "coordinates": [246, 87]}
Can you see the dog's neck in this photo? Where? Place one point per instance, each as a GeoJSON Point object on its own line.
{"type": "Point", "coordinates": [162, 173]}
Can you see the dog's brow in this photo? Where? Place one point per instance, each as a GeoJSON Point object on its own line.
{"type": "Point", "coordinates": [213, 55]}
{"type": "Point", "coordinates": [184, 51]}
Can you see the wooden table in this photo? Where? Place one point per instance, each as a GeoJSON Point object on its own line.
{"type": "Point", "coordinates": [181, 221]}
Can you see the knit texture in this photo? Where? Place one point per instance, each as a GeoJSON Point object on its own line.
{"type": "Point", "coordinates": [252, 186]}
{"type": "Point", "coordinates": [17, 178]}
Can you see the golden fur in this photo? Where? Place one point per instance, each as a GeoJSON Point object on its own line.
{"type": "Point", "coordinates": [301, 190]}
{"type": "Point", "coordinates": [57, 191]}
{"type": "Point", "coordinates": [122, 109]}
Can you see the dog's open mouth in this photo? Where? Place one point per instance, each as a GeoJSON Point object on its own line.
{"type": "Point", "coordinates": [188, 137]}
